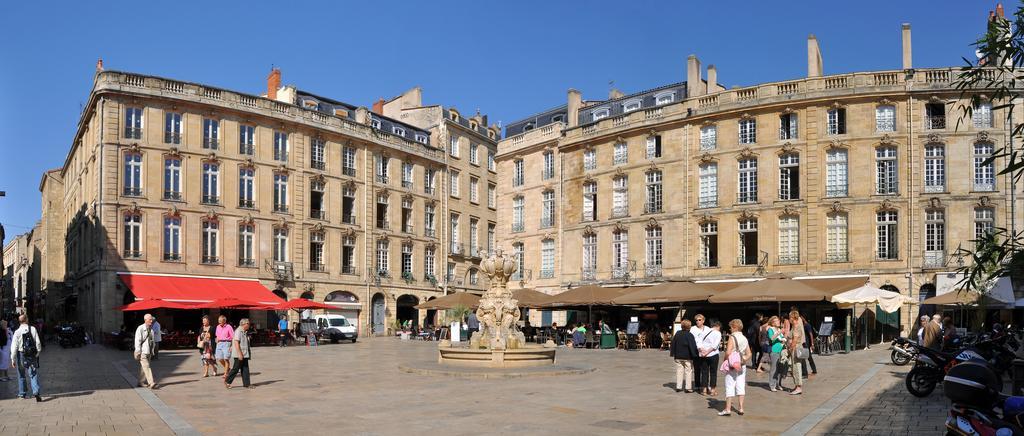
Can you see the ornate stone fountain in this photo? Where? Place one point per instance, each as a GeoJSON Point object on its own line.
{"type": "Point", "coordinates": [499, 343]}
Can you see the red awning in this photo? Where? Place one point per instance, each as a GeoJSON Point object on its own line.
{"type": "Point", "coordinates": [196, 289]}
{"type": "Point", "coordinates": [302, 304]}
{"type": "Point", "coordinates": [155, 304]}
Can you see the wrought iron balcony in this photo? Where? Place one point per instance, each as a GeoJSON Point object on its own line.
{"type": "Point", "coordinates": [523, 275]}
{"type": "Point", "coordinates": [430, 233]}
{"type": "Point", "coordinates": [704, 203]}
{"type": "Point", "coordinates": [246, 149]}
{"type": "Point", "coordinates": [348, 269]}
{"type": "Point", "coordinates": [408, 228]}
{"type": "Point", "coordinates": [885, 125]}
{"type": "Point", "coordinates": [652, 207]}
{"type": "Point", "coordinates": [172, 195]}
{"type": "Point", "coordinates": [546, 221]}
{"type": "Point", "coordinates": [317, 267]}
{"type": "Point", "coordinates": [747, 197]}
{"type": "Point", "coordinates": [407, 184]}
{"type": "Point", "coordinates": [382, 179]}
{"type": "Point", "coordinates": [172, 138]}
{"type": "Point", "coordinates": [517, 181]}
{"type": "Point", "coordinates": [837, 257]}
{"type": "Point", "coordinates": [211, 143]}
{"type": "Point", "coordinates": [210, 260]}
{"type": "Point", "coordinates": [348, 171]}
{"type": "Point", "coordinates": [172, 257]}
{"type": "Point", "coordinates": [211, 199]}
{"type": "Point", "coordinates": [744, 261]}
{"type": "Point", "coordinates": [132, 133]}
{"type": "Point", "coordinates": [620, 271]}
{"type": "Point", "coordinates": [792, 259]}
{"type": "Point", "coordinates": [708, 144]}
{"type": "Point", "coordinates": [984, 187]}
{"type": "Point", "coordinates": [132, 192]}
{"type": "Point", "coordinates": [935, 188]}
{"type": "Point", "coordinates": [934, 259]}
{"type": "Point", "coordinates": [619, 211]}
{"type": "Point", "coordinates": [836, 191]}
{"type": "Point", "coordinates": [280, 208]}
{"type": "Point", "coordinates": [935, 122]}
{"type": "Point", "coordinates": [547, 174]}
{"type": "Point", "coordinates": [383, 224]}
{"type": "Point", "coordinates": [246, 203]}
{"type": "Point", "coordinates": [475, 251]}
{"type": "Point", "coordinates": [280, 156]}
{"type": "Point", "coordinates": [429, 190]}
{"type": "Point", "coordinates": [318, 165]}
{"type": "Point", "coordinates": [246, 262]}
{"type": "Point", "coordinates": [129, 254]}
{"type": "Point", "coordinates": [588, 274]}
{"type": "Point", "coordinates": [457, 249]}
{"type": "Point", "coordinates": [318, 214]}
{"type": "Point", "coordinates": [348, 218]}
{"type": "Point", "coordinates": [517, 227]}
{"type": "Point", "coordinates": [547, 273]}
{"type": "Point", "coordinates": [652, 271]}
{"type": "Point", "coordinates": [707, 263]}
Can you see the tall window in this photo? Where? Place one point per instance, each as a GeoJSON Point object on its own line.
{"type": "Point", "coordinates": [787, 126]}
{"type": "Point", "coordinates": [172, 178]}
{"type": "Point", "coordinates": [172, 238]}
{"type": "Point", "coordinates": [407, 260]}
{"type": "Point", "coordinates": [246, 182]}
{"type": "Point", "coordinates": [836, 121]}
{"type": "Point", "coordinates": [133, 122]}
{"type": "Point", "coordinates": [837, 173]}
{"type": "Point", "coordinates": [211, 187]}
{"type": "Point", "coordinates": [547, 258]}
{"type": "Point", "coordinates": [652, 268]}
{"type": "Point", "coordinates": [474, 238]}
{"type": "Point", "coordinates": [708, 137]}
{"type": "Point", "coordinates": [317, 200]}
{"type": "Point", "coordinates": [428, 180]}
{"type": "Point", "coordinates": [428, 262]}
{"type": "Point", "coordinates": [246, 140]}
{"type": "Point", "coordinates": [474, 187]}
{"type": "Point", "coordinates": [211, 231]}
{"type": "Point", "coordinates": [316, 251]}
{"type": "Point", "coordinates": [708, 245]}
{"type": "Point", "coordinates": [519, 254]}
{"type": "Point", "coordinates": [547, 217]}
{"type": "Point", "coordinates": [382, 210]}
{"type": "Point", "coordinates": [317, 154]}
{"type": "Point", "coordinates": [838, 238]}
{"type": "Point", "coordinates": [172, 128]}
{"type": "Point", "coordinates": [789, 240]}
{"type": "Point", "coordinates": [490, 160]}
{"type": "Point", "coordinates": [382, 168]}
{"type": "Point", "coordinates": [621, 155]}
{"type": "Point", "coordinates": [984, 221]}
{"type": "Point", "coordinates": [620, 196]}
{"type": "Point", "coordinates": [517, 214]}
{"type": "Point", "coordinates": [453, 178]}
{"type": "Point", "coordinates": [887, 241]}
{"type": "Point", "coordinates": [982, 115]}
{"type": "Point", "coordinates": [490, 238]}
{"type": "Point", "coordinates": [132, 235]}
{"type": "Point", "coordinates": [383, 257]}
{"type": "Point", "coordinates": [280, 244]}
{"type": "Point", "coordinates": [934, 237]}
{"type": "Point", "coordinates": [211, 133]}
{"type": "Point", "coordinates": [348, 254]}
{"type": "Point", "coordinates": [473, 150]}
{"type": "Point", "coordinates": [886, 171]}
{"type": "Point", "coordinates": [589, 159]}
{"type": "Point", "coordinates": [280, 192]}
{"type": "Point", "coordinates": [428, 220]}
{"type": "Point", "coordinates": [934, 116]}
{"type": "Point", "coordinates": [348, 161]}
{"type": "Point", "coordinates": [549, 166]}
{"type": "Point", "coordinates": [748, 131]}
{"type": "Point", "coordinates": [620, 254]}
{"type": "Point", "coordinates": [654, 198]}
{"type": "Point", "coordinates": [132, 174]}
{"type": "Point", "coordinates": [280, 146]}
{"type": "Point", "coordinates": [492, 195]}
{"type": "Point", "coordinates": [748, 242]}
{"type": "Point", "coordinates": [984, 168]}
{"type": "Point", "coordinates": [454, 233]}
{"type": "Point", "coordinates": [590, 201]}
{"type": "Point", "coordinates": [789, 176]}
{"type": "Point", "coordinates": [589, 256]}
{"type": "Point", "coordinates": [453, 146]}
{"type": "Point", "coordinates": [708, 185]}
{"type": "Point", "coordinates": [348, 204]}
{"type": "Point", "coordinates": [246, 243]}
{"type": "Point", "coordinates": [934, 168]}
{"type": "Point", "coordinates": [450, 274]}
{"type": "Point", "coordinates": [654, 146]}
{"type": "Point", "coordinates": [885, 118]}
{"type": "Point", "coordinates": [517, 172]}
{"type": "Point", "coordinates": [748, 180]}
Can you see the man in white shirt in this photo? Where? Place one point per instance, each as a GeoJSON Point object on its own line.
{"type": "Point", "coordinates": [25, 350]}
{"type": "Point", "coordinates": [145, 346]}
{"type": "Point", "coordinates": [700, 332]}
{"type": "Point", "coordinates": [156, 338]}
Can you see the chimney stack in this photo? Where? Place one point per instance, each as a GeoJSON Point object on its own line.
{"type": "Point", "coordinates": [712, 79]}
{"type": "Point", "coordinates": [614, 93]}
{"type": "Point", "coordinates": [694, 83]}
{"type": "Point", "coordinates": [574, 104]}
{"type": "Point", "coordinates": [99, 65]}
{"type": "Point", "coordinates": [273, 83]}
{"type": "Point", "coordinates": [814, 66]}
{"type": "Point", "coordinates": [907, 64]}
{"type": "Point", "coordinates": [378, 107]}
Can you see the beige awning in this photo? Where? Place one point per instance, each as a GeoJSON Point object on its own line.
{"type": "Point", "coordinates": [669, 292]}
{"type": "Point", "coordinates": [530, 297]}
{"type": "Point", "coordinates": [451, 301]}
{"type": "Point", "coordinates": [589, 295]}
{"type": "Point", "coordinates": [773, 290]}
{"type": "Point", "coordinates": [967, 298]}
{"type": "Point", "coordinates": [835, 285]}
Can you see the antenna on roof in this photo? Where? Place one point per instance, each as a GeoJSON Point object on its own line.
{"type": "Point", "coordinates": [611, 85]}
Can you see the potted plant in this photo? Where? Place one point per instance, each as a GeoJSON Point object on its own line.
{"type": "Point", "coordinates": [430, 278]}
{"type": "Point", "coordinates": [407, 276]}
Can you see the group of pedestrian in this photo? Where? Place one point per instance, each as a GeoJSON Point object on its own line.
{"type": "Point", "coordinates": [218, 346]}
{"type": "Point", "coordinates": [937, 333]}
{"type": "Point", "coordinates": [785, 343]}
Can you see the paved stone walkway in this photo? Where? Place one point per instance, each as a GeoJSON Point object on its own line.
{"type": "Point", "coordinates": [358, 389]}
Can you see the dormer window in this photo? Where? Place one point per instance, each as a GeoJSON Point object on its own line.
{"type": "Point", "coordinates": [528, 127]}
{"type": "Point", "coordinates": [472, 125]}
{"type": "Point", "coordinates": [631, 105]}
{"type": "Point", "coordinates": [375, 123]}
{"type": "Point", "coordinates": [421, 138]}
{"type": "Point", "coordinates": [664, 98]}
{"type": "Point", "coordinates": [455, 116]}
{"type": "Point", "coordinates": [398, 130]}
{"type": "Point", "coordinates": [600, 113]}
{"type": "Point", "coordinates": [558, 118]}
{"type": "Point", "coordinates": [310, 104]}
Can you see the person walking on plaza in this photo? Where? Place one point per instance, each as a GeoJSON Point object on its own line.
{"type": "Point", "coordinates": [700, 363]}
{"type": "Point", "coordinates": [683, 350]}
{"type": "Point", "coordinates": [240, 353]}
{"type": "Point", "coordinates": [145, 346]}
{"type": "Point", "coordinates": [157, 333]}
{"type": "Point", "coordinates": [753, 334]}
{"type": "Point", "coordinates": [775, 343]}
{"type": "Point", "coordinates": [797, 350]}
{"type": "Point", "coordinates": [6, 338]}
{"type": "Point", "coordinates": [205, 343]}
{"type": "Point", "coordinates": [809, 343]}
{"type": "Point", "coordinates": [282, 329]}
{"type": "Point", "coordinates": [736, 376]}
{"type": "Point", "coordinates": [224, 334]}
{"type": "Point", "coordinates": [712, 342]}
{"type": "Point", "coordinates": [26, 348]}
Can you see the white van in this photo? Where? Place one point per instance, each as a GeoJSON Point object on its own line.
{"type": "Point", "coordinates": [335, 327]}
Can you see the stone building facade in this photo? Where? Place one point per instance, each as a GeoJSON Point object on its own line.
{"type": "Point", "coordinates": [314, 197]}
{"type": "Point", "coordinates": [874, 173]}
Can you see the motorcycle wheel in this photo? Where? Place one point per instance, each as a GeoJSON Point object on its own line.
{"type": "Point", "coordinates": [899, 358]}
{"type": "Point", "coordinates": [921, 382]}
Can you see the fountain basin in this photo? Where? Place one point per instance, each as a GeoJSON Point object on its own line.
{"type": "Point", "coordinates": [483, 358]}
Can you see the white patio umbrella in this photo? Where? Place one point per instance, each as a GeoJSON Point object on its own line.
{"type": "Point", "coordinates": [887, 301]}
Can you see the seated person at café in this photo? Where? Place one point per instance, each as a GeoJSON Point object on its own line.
{"type": "Point", "coordinates": [579, 336]}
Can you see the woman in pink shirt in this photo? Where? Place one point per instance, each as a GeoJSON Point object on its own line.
{"type": "Point", "coordinates": [225, 334]}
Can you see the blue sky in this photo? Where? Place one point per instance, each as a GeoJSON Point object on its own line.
{"type": "Point", "coordinates": [506, 59]}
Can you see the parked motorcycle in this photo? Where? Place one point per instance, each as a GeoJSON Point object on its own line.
{"type": "Point", "coordinates": [902, 352]}
{"type": "Point", "coordinates": [71, 336]}
{"type": "Point", "coordinates": [974, 388]}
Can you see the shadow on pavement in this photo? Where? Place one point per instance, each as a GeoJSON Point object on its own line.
{"type": "Point", "coordinates": [884, 406]}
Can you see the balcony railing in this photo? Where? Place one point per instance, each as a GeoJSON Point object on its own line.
{"type": "Point", "coordinates": [282, 271]}
{"type": "Point", "coordinates": [652, 271]}
{"type": "Point", "coordinates": [475, 251]}
{"type": "Point", "coordinates": [382, 179]}
{"type": "Point", "coordinates": [317, 267]}
{"type": "Point", "coordinates": [211, 199]}
{"type": "Point", "coordinates": [620, 271]}
{"type": "Point", "coordinates": [132, 192]}
{"type": "Point", "coordinates": [547, 273]}
{"type": "Point", "coordinates": [546, 221]}
{"type": "Point", "coordinates": [744, 261]}
{"type": "Point", "coordinates": [318, 165]}
{"type": "Point", "coordinates": [407, 184]}
{"type": "Point", "coordinates": [619, 211]}
{"type": "Point", "coordinates": [348, 171]}
{"type": "Point", "coordinates": [210, 260]}
{"type": "Point", "coordinates": [652, 207]}
{"type": "Point", "coordinates": [457, 248]}
{"type": "Point", "coordinates": [836, 191]}
{"type": "Point", "coordinates": [172, 138]}
{"type": "Point", "coordinates": [707, 263]}
{"type": "Point", "coordinates": [708, 144]}
{"type": "Point", "coordinates": [837, 257]}
{"type": "Point", "coordinates": [745, 198]}
{"type": "Point", "coordinates": [172, 195]}
{"type": "Point", "coordinates": [348, 269]}
{"type": "Point", "coordinates": [547, 173]}
{"type": "Point", "coordinates": [588, 274]}
{"type": "Point", "coordinates": [934, 259]}
{"type": "Point", "coordinates": [132, 133]}
{"type": "Point", "coordinates": [984, 187]}
{"type": "Point", "coordinates": [935, 188]}
{"type": "Point", "coordinates": [383, 224]}
{"type": "Point", "coordinates": [211, 143]}
{"type": "Point", "coordinates": [429, 190]}
{"type": "Point", "coordinates": [132, 254]}
{"type": "Point", "coordinates": [517, 227]}
{"type": "Point", "coordinates": [792, 259]}
{"type": "Point", "coordinates": [348, 218]}
{"type": "Point", "coordinates": [523, 275]}
{"type": "Point", "coordinates": [246, 203]}
{"type": "Point", "coordinates": [935, 122]}
{"type": "Point", "coordinates": [318, 214]}
{"type": "Point", "coordinates": [246, 262]}
{"type": "Point", "coordinates": [707, 202]}
{"type": "Point", "coordinates": [246, 149]}
{"type": "Point", "coordinates": [281, 208]}
{"type": "Point", "coordinates": [172, 257]}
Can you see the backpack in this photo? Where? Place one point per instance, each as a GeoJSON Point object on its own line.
{"type": "Point", "coordinates": [28, 344]}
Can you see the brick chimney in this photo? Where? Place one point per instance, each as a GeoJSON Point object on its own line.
{"type": "Point", "coordinates": [273, 83]}
{"type": "Point", "coordinates": [99, 65]}
{"type": "Point", "coordinates": [694, 81]}
{"type": "Point", "coordinates": [378, 107]}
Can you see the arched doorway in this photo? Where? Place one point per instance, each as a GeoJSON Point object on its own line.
{"type": "Point", "coordinates": [306, 314]}
{"type": "Point", "coordinates": [405, 309]}
{"type": "Point", "coordinates": [888, 323]}
{"type": "Point", "coordinates": [346, 304]}
{"type": "Point", "coordinates": [430, 319]}
{"type": "Point", "coordinates": [274, 316]}
{"type": "Point", "coordinates": [377, 314]}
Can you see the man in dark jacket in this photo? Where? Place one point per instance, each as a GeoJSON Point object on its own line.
{"type": "Point", "coordinates": [684, 350]}
{"type": "Point", "coordinates": [753, 334]}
